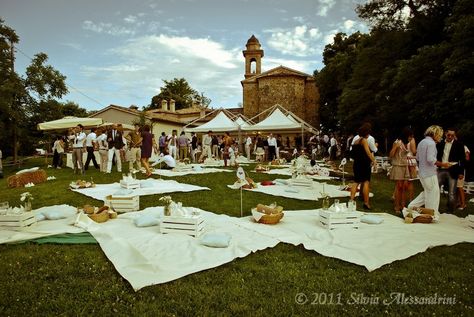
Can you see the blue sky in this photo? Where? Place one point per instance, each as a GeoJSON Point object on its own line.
{"type": "Point", "coordinates": [118, 52]}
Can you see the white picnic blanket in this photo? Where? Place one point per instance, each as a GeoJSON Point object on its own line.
{"type": "Point", "coordinates": [204, 170]}
{"type": "Point", "coordinates": [299, 192]}
{"type": "Point", "coordinates": [148, 187]}
{"type": "Point", "coordinates": [43, 228]}
{"type": "Point", "coordinates": [145, 257]}
{"type": "Point", "coordinates": [371, 246]}
{"type": "Point", "coordinates": [287, 172]}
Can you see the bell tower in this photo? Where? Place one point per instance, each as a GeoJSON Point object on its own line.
{"type": "Point", "coordinates": [253, 57]}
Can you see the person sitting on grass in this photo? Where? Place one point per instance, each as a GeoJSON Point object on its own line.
{"type": "Point", "coordinates": [165, 157]}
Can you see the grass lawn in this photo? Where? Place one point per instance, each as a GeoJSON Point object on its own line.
{"type": "Point", "coordinates": [54, 279]}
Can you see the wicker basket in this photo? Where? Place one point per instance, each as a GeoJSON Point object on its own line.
{"type": "Point", "coordinates": [100, 217]}
{"type": "Point", "coordinates": [269, 219]}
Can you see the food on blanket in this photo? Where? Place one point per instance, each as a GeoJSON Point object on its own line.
{"type": "Point", "coordinates": [81, 184]}
{"type": "Point", "coordinates": [112, 214]}
{"type": "Point", "coordinates": [267, 183]}
{"type": "Point", "coordinates": [419, 215]}
{"type": "Point", "coordinates": [250, 183]}
{"type": "Point", "coordinates": [261, 168]}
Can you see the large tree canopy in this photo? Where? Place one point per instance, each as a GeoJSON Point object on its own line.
{"type": "Point", "coordinates": [28, 100]}
{"type": "Point", "coordinates": [416, 68]}
{"type": "Point", "coordinates": [181, 92]}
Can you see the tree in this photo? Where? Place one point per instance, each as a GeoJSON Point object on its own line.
{"type": "Point", "coordinates": [182, 93]}
{"type": "Point", "coordinates": [22, 100]}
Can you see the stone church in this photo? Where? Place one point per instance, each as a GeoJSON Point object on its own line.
{"type": "Point", "coordinates": [294, 90]}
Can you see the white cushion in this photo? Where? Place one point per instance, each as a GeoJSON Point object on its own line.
{"type": "Point", "coordinates": [216, 240]}
{"type": "Point", "coordinates": [146, 221]}
{"type": "Point", "coordinates": [371, 219]}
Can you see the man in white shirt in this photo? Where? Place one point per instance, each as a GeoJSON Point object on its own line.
{"type": "Point", "coordinates": [206, 146]}
{"type": "Point", "coordinates": [167, 159]}
{"type": "Point", "coordinates": [103, 150]}
{"type": "Point", "coordinates": [90, 147]}
{"type": "Point", "coordinates": [272, 144]}
{"type": "Point", "coordinates": [370, 141]}
{"type": "Point", "coordinates": [248, 144]}
{"type": "Point", "coordinates": [77, 137]}
{"type": "Point", "coordinates": [116, 143]}
{"type": "Point", "coordinates": [172, 144]}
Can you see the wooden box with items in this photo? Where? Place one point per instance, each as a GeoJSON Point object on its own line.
{"type": "Point", "coordinates": [123, 203]}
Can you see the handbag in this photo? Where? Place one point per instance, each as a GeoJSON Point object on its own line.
{"type": "Point", "coordinates": [412, 167]}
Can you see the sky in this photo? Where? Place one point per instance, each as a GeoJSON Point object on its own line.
{"type": "Point", "coordinates": [119, 52]}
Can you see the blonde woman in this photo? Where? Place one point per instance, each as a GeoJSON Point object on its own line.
{"type": "Point", "coordinates": [426, 153]}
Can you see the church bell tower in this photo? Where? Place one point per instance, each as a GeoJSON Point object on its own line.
{"type": "Point", "coordinates": [253, 57]}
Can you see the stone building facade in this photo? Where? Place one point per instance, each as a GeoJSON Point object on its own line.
{"type": "Point", "coordinates": [292, 89]}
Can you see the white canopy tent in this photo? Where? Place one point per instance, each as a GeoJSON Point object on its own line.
{"type": "Point", "coordinates": [69, 122]}
{"type": "Point", "coordinates": [220, 123]}
{"type": "Point", "coordinates": [280, 119]}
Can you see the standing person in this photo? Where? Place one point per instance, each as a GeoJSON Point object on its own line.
{"type": "Point", "coordinates": [460, 184]}
{"type": "Point", "coordinates": [1, 165]}
{"type": "Point", "coordinates": [426, 154]}
{"type": "Point", "coordinates": [400, 172]}
{"type": "Point", "coordinates": [248, 144]}
{"type": "Point", "coordinates": [90, 147]}
{"type": "Point", "coordinates": [194, 146]}
{"type": "Point", "coordinates": [134, 139]}
{"type": "Point", "coordinates": [332, 147]}
{"type": "Point", "coordinates": [183, 146]}
{"type": "Point", "coordinates": [362, 164]}
{"type": "Point", "coordinates": [272, 144]}
{"type": "Point", "coordinates": [278, 146]}
{"type": "Point", "coordinates": [173, 144]}
{"type": "Point", "coordinates": [77, 137]}
{"type": "Point", "coordinates": [115, 143]}
{"type": "Point", "coordinates": [451, 151]}
{"type": "Point", "coordinates": [215, 146]}
{"type": "Point", "coordinates": [162, 142]}
{"type": "Point", "coordinates": [227, 141]}
{"type": "Point", "coordinates": [58, 151]}
{"type": "Point", "coordinates": [103, 148]}
{"type": "Point", "coordinates": [148, 144]}
{"type": "Point", "coordinates": [124, 140]}
{"type": "Point", "coordinates": [206, 146]}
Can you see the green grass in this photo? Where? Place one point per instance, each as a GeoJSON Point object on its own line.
{"type": "Point", "coordinates": [74, 280]}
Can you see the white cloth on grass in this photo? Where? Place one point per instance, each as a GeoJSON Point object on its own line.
{"type": "Point", "coordinates": [148, 187]}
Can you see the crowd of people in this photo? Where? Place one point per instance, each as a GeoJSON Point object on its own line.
{"type": "Point", "coordinates": [436, 162]}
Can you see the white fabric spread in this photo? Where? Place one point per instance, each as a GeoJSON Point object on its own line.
{"type": "Point", "coordinates": [148, 187]}
{"type": "Point", "coordinates": [171, 173]}
{"type": "Point", "coordinates": [287, 172]}
{"type": "Point", "coordinates": [145, 257]}
{"type": "Point", "coordinates": [299, 192]}
{"type": "Point", "coordinates": [371, 246]}
{"type": "Point", "coordinates": [43, 228]}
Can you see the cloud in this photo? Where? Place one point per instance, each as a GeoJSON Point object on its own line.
{"type": "Point", "coordinates": [107, 28]}
{"type": "Point", "coordinates": [207, 65]}
{"type": "Point", "coordinates": [325, 6]}
{"type": "Point", "coordinates": [298, 41]}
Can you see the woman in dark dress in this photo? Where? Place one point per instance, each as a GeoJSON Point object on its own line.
{"type": "Point", "coordinates": [363, 160]}
{"type": "Point", "coordinates": [148, 143]}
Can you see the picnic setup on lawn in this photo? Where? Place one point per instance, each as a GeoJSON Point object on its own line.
{"type": "Point", "coordinates": [168, 239]}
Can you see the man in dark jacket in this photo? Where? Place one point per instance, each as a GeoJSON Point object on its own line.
{"type": "Point", "coordinates": [116, 143]}
{"type": "Point", "coordinates": [452, 151]}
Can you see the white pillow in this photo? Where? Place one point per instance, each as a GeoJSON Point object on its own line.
{"type": "Point", "coordinates": [146, 221]}
{"type": "Point", "coordinates": [40, 217]}
{"type": "Point", "coordinates": [53, 214]}
{"type": "Point", "coordinates": [216, 240]}
{"type": "Point", "coordinates": [371, 219]}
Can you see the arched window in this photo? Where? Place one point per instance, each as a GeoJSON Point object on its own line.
{"type": "Point", "coordinates": [253, 66]}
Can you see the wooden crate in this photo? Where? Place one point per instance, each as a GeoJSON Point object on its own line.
{"type": "Point", "coordinates": [130, 184]}
{"type": "Point", "coordinates": [17, 221]}
{"type": "Point", "coordinates": [123, 203]}
{"type": "Point", "coordinates": [192, 226]}
{"type": "Point", "coordinates": [469, 187]}
{"type": "Point", "coordinates": [333, 220]}
{"type": "Point", "coordinates": [303, 182]}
